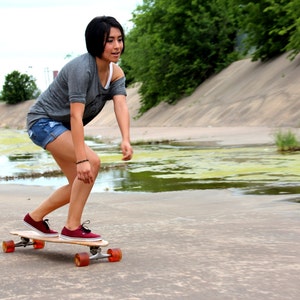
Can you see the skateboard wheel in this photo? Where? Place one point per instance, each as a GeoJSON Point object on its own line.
{"type": "Point", "coordinates": [115, 254]}
{"type": "Point", "coordinates": [8, 246]}
{"type": "Point", "coordinates": [37, 244]}
{"type": "Point", "coordinates": [82, 259]}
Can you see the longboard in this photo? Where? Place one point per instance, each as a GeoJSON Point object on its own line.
{"type": "Point", "coordinates": [31, 238]}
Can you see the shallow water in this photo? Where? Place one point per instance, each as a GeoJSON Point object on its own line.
{"type": "Point", "coordinates": [156, 168]}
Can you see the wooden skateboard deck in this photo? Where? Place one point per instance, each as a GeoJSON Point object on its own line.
{"type": "Point", "coordinates": [31, 238]}
{"type": "Point", "coordinates": [30, 234]}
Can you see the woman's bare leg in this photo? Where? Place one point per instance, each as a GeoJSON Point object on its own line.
{"type": "Point", "coordinates": [76, 192]}
{"type": "Point", "coordinates": [57, 199]}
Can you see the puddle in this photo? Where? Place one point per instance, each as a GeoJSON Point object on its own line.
{"type": "Point", "coordinates": [155, 168]}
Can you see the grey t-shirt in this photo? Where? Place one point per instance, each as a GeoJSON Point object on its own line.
{"type": "Point", "coordinates": [77, 81]}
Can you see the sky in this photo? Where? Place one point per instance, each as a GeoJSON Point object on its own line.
{"type": "Point", "coordinates": [38, 37]}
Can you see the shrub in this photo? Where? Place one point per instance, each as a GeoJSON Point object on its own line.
{"type": "Point", "coordinates": [287, 141]}
{"type": "Point", "coordinates": [18, 88]}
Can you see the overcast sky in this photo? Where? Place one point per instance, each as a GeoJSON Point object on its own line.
{"type": "Point", "coordinates": [37, 35]}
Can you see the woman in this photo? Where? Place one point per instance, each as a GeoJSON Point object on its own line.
{"type": "Point", "coordinates": [56, 123]}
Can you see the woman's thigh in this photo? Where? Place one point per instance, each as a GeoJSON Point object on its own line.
{"type": "Point", "coordinates": [62, 150]}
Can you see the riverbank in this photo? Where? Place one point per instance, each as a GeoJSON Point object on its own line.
{"type": "Point", "coordinates": [222, 136]}
{"type": "Point", "coordinates": [245, 94]}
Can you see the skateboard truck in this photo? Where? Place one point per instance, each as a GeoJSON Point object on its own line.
{"type": "Point", "coordinates": [83, 259]}
{"type": "Point", "coordinates": [24, 242]}
{"type": "Point", "coordinates": [97, 253]}
{"type": "Point", "coordinates": [8, 246]}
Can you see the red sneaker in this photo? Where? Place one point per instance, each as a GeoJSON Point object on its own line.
{"type": "Point", "coordinates": [41, 227]}
{"type": "Point", "coordinates": [80, 234]}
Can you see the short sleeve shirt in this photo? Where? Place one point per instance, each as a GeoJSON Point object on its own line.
{"type": "Point", "coordinates": [77, 81]}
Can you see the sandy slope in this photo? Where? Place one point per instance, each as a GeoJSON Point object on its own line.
{"type": "Point", "coordinates": [245, 94]}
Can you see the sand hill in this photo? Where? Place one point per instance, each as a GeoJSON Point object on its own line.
{"type": "Point", "coordinates": [251, 94]}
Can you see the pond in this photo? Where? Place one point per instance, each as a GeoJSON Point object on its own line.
{"type": "Point", "coordinates": [159, 167]}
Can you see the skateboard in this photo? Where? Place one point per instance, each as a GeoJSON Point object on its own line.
{"type": "Point", "coordinates": [31, 238]}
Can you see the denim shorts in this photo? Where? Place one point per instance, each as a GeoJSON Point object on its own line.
{"type": "Point", "coordinates": [45, 131]}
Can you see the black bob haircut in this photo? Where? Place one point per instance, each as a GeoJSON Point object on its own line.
{"type": "Point", "coordinates": [97, 33]}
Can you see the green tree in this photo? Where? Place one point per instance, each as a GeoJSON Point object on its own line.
{"type": "Point", "coordinates": [19, 87]}
{"type": "Point", "coordinates": [293, 11]}
{"type": "Point", "coordinates": [177, 44]}
{"type": "Point", "coordinates": [269, 26]}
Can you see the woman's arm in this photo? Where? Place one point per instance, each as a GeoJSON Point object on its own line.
{"type": "Point", "coordinates": [84, 168]}
{"type": "Point", "coordinates": [123, 119]}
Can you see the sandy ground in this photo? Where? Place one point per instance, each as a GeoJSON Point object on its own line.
{"type": "Point", "coordinates": [206, 244]}
{"type": "Point", "coordinates": [211, 244]}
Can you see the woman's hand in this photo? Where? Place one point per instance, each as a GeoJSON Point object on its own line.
{"type": "Point", "coordinates": [122, 115]}
{"type": "Point", "coordinates": [127, 151]}
{"type": "Point", "coordinates": [84, 172]}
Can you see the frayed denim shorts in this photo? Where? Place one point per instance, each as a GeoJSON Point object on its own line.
{"type": "Point", "coordinates": [45, 131]}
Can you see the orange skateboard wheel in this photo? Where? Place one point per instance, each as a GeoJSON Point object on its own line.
{"type": "Point", "coordinates": [115, 254]}
{"type": "Point", "coordinates": [82, 259]}
{"type": "Point", "coordinates": [8, 246]}
{"type": "Point", "coordinates": [37, 244]}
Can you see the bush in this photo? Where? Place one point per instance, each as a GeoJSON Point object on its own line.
{"type": "Point", "coordinates": [18, 88]}
{"type": "Point", "coordinates": [271, 27]}
{"type": "Point", "coordinates": [287, 141]}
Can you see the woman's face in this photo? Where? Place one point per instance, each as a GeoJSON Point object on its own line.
{"type": "Point", "coordinates": [114, 46]}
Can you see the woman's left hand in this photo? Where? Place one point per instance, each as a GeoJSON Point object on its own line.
{"type": "Point", "coordinates": [127, 151]}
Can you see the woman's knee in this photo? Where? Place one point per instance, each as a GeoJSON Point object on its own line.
{"type": "Point", "coordinates": [95, 163]}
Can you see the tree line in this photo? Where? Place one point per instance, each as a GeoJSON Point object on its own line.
{"type": "Point", "coordinates": [175, 45]}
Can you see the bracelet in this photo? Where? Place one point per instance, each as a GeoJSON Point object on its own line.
{"type": "Point", "coordinates": [81, 161]}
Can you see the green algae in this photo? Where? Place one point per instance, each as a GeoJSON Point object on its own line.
{"type": "Point", "coordinates": [16, 142]}
{"type": "Point", "coordinates": [163, 167]}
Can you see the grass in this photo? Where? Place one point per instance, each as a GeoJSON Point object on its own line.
{"type": "Point", "coordinates": [286, 141]}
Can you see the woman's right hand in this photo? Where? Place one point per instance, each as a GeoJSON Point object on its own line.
{"type": "Point", "coordinates": [84, 172]}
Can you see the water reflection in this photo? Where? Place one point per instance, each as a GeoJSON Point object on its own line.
{"type": "Point", "coordinates": [156, 168]}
